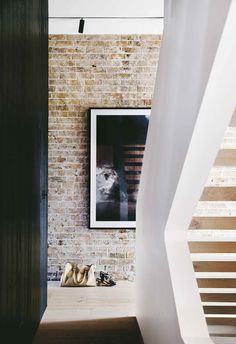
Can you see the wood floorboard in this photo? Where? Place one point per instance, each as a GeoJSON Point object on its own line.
{"type": "Point", "coordinates": [103, 315]}
{"type": "Point", "coordinates": [100, 315]}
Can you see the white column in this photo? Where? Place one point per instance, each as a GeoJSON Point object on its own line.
{"type": "Point", "coordinates": [193, 102]}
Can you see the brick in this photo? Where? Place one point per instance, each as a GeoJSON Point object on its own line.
{"type": "Point", "coordinates": [90, 71]}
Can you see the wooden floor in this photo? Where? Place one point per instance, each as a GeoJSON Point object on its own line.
{"type": "Point", "coordinates": [100, 315]}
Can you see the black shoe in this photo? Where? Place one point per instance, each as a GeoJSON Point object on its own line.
{"type": "Point", "coordinates": [106, 279]}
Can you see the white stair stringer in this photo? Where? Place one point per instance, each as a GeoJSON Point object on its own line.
{"type": "Point", "coordinates": [189, 116]}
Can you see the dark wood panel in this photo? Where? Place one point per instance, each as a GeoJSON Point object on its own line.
{"type": "Point", "coordinates": [214, 266]}
{"type": "Point", "coordinates": [226, 157]}
{"type": "Point", "coordinates": [219, 309]}
{"type": "Point", "coordinates": [213, 223]}
{"type": "Point", "coordinates": [23, 196]}
{"type": "Point", "coordinates": [221, 321]}
{"type": "Point", "coordinates": [219, 194]}
{"type": "Point", "coordinates": [212, 247]}
{"type": "Point", "coordinates": [216, 297]}
{"type": "Point", "coordinates": [216, 282]}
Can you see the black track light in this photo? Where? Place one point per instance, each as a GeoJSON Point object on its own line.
{"type": "Point", "coordinates": [81, 25]}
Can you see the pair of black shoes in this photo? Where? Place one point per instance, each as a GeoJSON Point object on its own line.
{"type": "Point", "coordinates": [105, 280]}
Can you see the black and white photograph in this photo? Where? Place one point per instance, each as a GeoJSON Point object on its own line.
{"type": "Point", "coordinates": [118, 139]}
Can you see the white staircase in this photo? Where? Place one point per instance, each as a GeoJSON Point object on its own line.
{"type": "Point", "coordinates": [193, 102]}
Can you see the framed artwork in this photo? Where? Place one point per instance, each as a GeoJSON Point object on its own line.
{"type": "Point", "coordinates": [117, 143]}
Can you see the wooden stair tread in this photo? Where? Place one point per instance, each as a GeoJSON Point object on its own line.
{"type": "Point", "coordinates": [221, 321]}
{"type": "Point", "coordinates": [219, 309]}
{"type": "Point", "coordinates": [218, 297]}
{"type": "Point", "coordinates": [213, 223]}
{"type": "Point", "coordinates": [226, 157]}
{"type": "Point", "coordinates": [211, 266]}
{"type": "Point", "coordinates": [216, 282]}
{"type": "Point", "coordinates": [212, 247]}
{"type": "Point", "coordinates": [219, 193]}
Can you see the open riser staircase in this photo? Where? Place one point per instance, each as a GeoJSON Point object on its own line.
{"type": "Point", "coordinates": [212, 242]}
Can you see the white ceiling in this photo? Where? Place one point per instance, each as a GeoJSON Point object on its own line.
{"type": "Point", "coordinates": [106, 16]}
{"type": "Point", "coordinates": [106, 8]}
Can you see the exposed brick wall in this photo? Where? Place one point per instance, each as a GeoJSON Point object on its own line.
{"type": "Point", "coordinates": [90, 71]}
{"type": "Point", "coordinates": [100, 71]}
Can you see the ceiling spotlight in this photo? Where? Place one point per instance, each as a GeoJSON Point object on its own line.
{"type": "Point", "coordinates": [81, 26]}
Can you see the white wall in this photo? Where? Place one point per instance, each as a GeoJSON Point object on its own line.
{"type": "Point", "coordinates": [60, 26]}
{"type": "Point", "coordinates": [174, 172]}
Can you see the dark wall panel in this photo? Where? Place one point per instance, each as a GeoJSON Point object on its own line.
{"type": "Point", "coordinates": [23, 165]}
